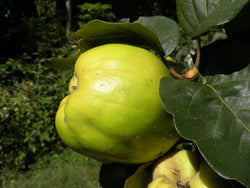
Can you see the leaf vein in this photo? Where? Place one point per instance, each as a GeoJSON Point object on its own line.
{"type": "Point", "coordinates": [230, 81]}
{"type": "Point", "coordinates": [189, 104]}
{"type": "Point", "coordinates": [228, 107]}
{"type": "Point", "coordinates": [215, 128]}
{"type": "Point", "coordinates": [195, 12]}
{"type": "Point", "coordinates": [206, 8]}
{"type": "Point", "coordinates": [189, 24]}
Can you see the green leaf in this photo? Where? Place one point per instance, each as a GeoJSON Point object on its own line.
{"type": "Point", "coordinates": [198, 16]}
{"type": "Point", "coordinates": [98, 32]}
{"type": "Point", "coordinates": [63, 63]}
{"type": "Point", "coordinates": [216, 116]}
{"type": "Point", "coordinates": [166, 30]}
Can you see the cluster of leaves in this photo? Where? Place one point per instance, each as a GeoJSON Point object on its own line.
{"type": "Point", "coordinates": [30, 94]}
{"type": "Point", "coordinates": [49, 31]}
{"type": "Point", "coordinates": [212, 112]}
{"type": "Point", "coordinates": [91, 11]}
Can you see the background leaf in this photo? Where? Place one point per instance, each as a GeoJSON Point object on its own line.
{"type": "Point", "coordinates": [97, 32]}
{"type": "Point", "coordinates": [63, 63]}
{"type": "Point", "coordinates": [165, 28]}
{"type": "Point", "coordinates": [197, 16]}
{"type": "Point", "coordinates": [216, 115]}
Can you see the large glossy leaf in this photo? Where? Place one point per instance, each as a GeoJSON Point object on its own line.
{"type": "Point", "coordinates": [166, 30]}
{"type": "Point", "coordinates": [216, 116]}
{"type": "Point", "coordinates": [197, 16]}
{"type": "Point", "coordinates": [99, 32]}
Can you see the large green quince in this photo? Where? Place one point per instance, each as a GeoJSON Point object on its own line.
{"type": "Point", "coordinates": [113, 112]}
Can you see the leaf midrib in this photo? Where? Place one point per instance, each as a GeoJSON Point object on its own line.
{"type": "Point", "coordinates": [228, 107]}
{"type": "Point", "coordinates": [201, 23]}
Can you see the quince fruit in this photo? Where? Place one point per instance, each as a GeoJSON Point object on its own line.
{"type": "Point", "coordinates": [176, 168]}
{"type": "Point", "coordinates": [162, 182]}
{"type": "Point", "coordinates": [207, 178]}
{"type": "Point", "coordinates": [113, 112]}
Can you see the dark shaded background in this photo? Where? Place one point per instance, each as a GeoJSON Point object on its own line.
{"type": "Point", "coordinates": [18, 32]}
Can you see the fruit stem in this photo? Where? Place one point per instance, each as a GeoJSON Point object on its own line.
{"type": "Point", "coordinates": [198, 54]}
{"type": "Point", "coordinates": [172, 71]}
{"type": "Point", "coordinates": [193, 73]}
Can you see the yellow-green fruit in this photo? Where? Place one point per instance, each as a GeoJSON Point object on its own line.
{"type": "Point", "coordinates": [162, 183]}
{"type": "Point", "coordinates": [114, 112]}
{"type": "Point", "coordinates": [207, 178]}
{"type": "Point", "coordinates": [178, 167]}
{"type": "Point", "coordinates": [72, 84]}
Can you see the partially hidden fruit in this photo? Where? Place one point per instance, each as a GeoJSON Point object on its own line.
{"type": "Point", "coordinates": [113, 112]}
{"type": "Point", "coordinates": [176, 168]}
{"type": "Point", "coordinates": [72, 84]}
{"type": "Point", "coordinates": [207, 178]}
{"type": "Point", "coordinates": [162, 183]}
{"type": "Point", "coordinates": [141, 177]}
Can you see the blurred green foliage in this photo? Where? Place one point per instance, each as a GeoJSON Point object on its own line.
{"type": "Point", "coordinates": [29, 95]}
{"type": "Point", "coordinates": [90, 11]}
{"type": "Point", "coordinates": [30, 92]}
{"type": "Point", "coordinates": [49, 32]}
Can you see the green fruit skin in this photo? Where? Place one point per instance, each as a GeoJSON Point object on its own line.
{"type": "Point", "coordinates": [114, 113]}
{"type": "Point", "coordinates": [162, 183]}
{"type": "Point", "coordinates": [178, 166]}
{"type": "Point", "coordinates": [72, 84]}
